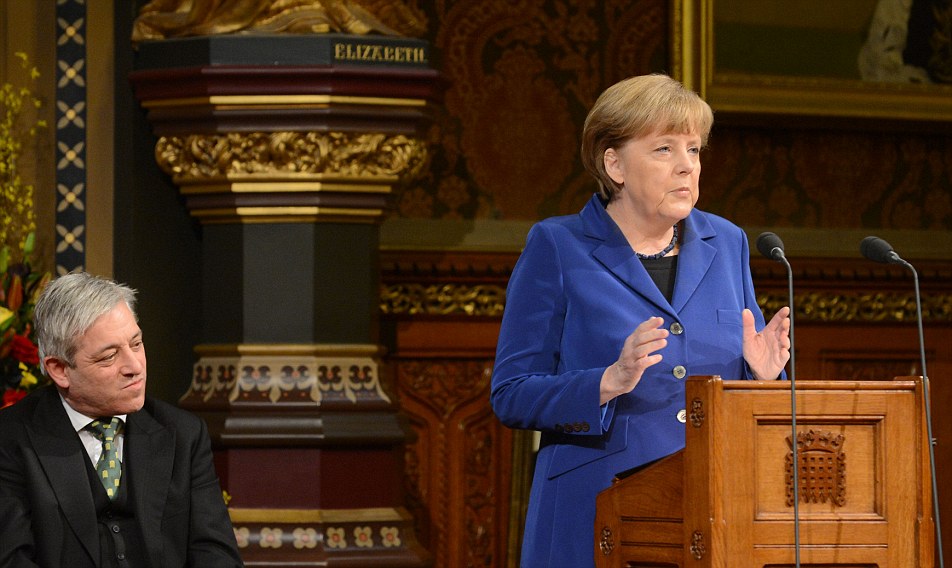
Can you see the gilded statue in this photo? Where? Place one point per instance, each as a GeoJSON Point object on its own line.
{"type": "Point", "coordinates": [162, 19]}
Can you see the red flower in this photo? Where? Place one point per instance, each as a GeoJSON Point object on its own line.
{"type": "Point", "coordinates": [12, 396]}
{"type": "Point", "coordinates": [24, 350]}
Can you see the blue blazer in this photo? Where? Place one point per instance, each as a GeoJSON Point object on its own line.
{"type": "Point", "coordinates": [576, 293]}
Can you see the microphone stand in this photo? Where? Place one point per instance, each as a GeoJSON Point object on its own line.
{"type": "Point", "coordinates": [771, 247]}
{"type": "Point", "coordinates": [793, 421]}
{"type": "Point", "coordinates": [925, 382]}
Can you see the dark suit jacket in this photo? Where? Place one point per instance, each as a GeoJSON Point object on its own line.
{"type": "Point", "coordinates": [576, 293]}
{"type": "Point", "coordinates": [47, 517]}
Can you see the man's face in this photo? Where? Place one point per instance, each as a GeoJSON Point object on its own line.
{"type": "Point", "coordinates": [109, 372]}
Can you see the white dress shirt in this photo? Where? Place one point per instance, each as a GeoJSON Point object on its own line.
{"type": "Point", "coordinates": [90, 441]}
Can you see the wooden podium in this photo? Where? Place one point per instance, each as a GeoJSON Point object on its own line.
{"type": "Point", "coordinates": [726, 500]}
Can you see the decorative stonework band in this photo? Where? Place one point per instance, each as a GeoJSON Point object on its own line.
{"type": "Point", "coordinates": [443, 299]}
{"type": "Point", "coordinates": [313, 375]}
{"type": "Point", "coordinates": [489, 300]}
{"type": "Point", "coordinates": [335, 532]}
{"type": "Point", "coordinates": [862, 307]}
{"type": "Point", "coordinates": [198, 157]}
{"type": "Point", "coordinates": [289, 176]}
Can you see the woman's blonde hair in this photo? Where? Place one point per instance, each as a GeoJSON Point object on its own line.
{"type": "Point", "coordinates": [639, 106]}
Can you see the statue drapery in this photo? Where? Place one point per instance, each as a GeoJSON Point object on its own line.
{"type": "Point", "coordinates": [163, 19]}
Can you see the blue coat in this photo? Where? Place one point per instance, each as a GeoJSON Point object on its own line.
{"type": "Point", "coordinates": [575, 294]}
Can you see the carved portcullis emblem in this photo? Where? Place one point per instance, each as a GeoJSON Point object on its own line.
{"type": "Point", "coordinates": [607, 542]}
{"type": "Point", "coordinates": [822, 468]}
{"type": "Point", "coordinates": [698, 548]}
{"type": "Point", "coordinates": [697, 413]}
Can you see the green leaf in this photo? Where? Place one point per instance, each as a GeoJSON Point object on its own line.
{"type": "Point", "coordinates": [29, 244]}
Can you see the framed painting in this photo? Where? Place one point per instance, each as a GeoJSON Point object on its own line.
{"type": "Point", "coordinates": [889, 59]}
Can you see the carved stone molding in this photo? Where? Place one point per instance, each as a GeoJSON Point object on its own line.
{"type": "Point", "coordinates": [893, 307]}
{"type": "Point", "coordinates": [443, 299]}
{"type": "Point", "coordinates": [474, 284]}
{"type": "Point", "coordinates": [289, 176]}
{"type": "Point", "coordinates": [309, 376]}
{"type": "Point", "coordinates": [198, 158]}
{"type": "Point", "coordinates": [307, 536]}
{"type": "Point", "coordinates": [180, 18]}
{"type": "Point", "coordinates": [489, 300]}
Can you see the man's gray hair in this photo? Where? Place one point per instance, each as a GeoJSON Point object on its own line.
{"type": "Point", "coordinates": [69, 306]}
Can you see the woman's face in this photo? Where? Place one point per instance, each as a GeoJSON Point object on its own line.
{"type": "Point", "coordinates": [658, 173]}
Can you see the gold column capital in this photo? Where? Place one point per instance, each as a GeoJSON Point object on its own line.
{"type": "Point", "coordinates": [289, 176]}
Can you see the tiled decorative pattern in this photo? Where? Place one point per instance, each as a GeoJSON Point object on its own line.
{"type": "Point", "coordinates": [306, 537]}
{"type": "Point", "coordinates": [70, 135]}
{"type": "Point", "coordinates": [323, 534]}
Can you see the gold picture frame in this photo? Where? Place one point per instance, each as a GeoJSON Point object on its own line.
{"type": "Point", "coordinates": [695, 59]}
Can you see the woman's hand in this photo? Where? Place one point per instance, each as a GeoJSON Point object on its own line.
{"type": "Point", "coordinates": [637, 354]}
{"type": "Point", "coordinates": [767, 352]}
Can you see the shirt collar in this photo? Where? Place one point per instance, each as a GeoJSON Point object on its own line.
{"type": "Point", "coordinates": [80, 420]}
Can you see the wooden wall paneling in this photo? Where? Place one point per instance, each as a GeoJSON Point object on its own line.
{"type": "Point", "coordinates": [441, 315]}
{"type": "Point", "coordinates": [469, 475]}
{"type": "Point", "coordinates": [459, 474]}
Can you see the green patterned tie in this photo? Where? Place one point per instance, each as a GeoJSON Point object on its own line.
{"type": "Point", "coordinates": [108, 467]}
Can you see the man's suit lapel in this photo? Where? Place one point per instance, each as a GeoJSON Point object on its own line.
{"type": "Point", "coordinates": [150, 452]}
{"type": "Point", "coordinates": [64, 461]}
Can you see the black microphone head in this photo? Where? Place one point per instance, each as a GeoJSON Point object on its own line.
{"type": "Point", "coordinates": [878, 250]}
{"type": "Point", "coordinates": [770, 246]}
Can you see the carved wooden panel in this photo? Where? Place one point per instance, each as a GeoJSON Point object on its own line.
{"type": "Point", "coordinates": [457, 475]}
{"type": "Point", "coordinates": [725, 500]}
{"type": "Point", "coordinates": [821, 468]}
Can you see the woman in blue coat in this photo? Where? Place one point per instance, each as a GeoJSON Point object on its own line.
{"type": "Point", "coordinates": [609, 311]}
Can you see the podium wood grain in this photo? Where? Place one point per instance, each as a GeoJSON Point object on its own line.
{"type": "Point", "coordinates": [724, 501]}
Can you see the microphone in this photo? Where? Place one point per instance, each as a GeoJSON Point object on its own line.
{"type": "Point", "coordinates": [878, 250]}
{"type": "Point", "coordinates": [771, 247]}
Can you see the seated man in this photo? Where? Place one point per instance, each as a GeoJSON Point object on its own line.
{"type": "Point", "coordinates": [93, 472]}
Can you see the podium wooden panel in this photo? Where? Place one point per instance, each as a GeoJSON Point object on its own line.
{"type": "Point", "coordinates": [725, 501]}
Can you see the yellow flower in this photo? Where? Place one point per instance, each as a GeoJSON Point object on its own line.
{"type": "Point", "coordinates": [17, 196]}
{"type": "Point", "coordinates": [5, 315]}
{"type": "Point", "coordinates": [27, 379]}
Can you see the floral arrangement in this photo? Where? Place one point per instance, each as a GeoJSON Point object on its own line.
{"type": "Point", "coordinates": [17, 218]}
{"type": "Point", "coordinates": [19, 283]}
{"type": "Point", "coordinates": [19, 358]}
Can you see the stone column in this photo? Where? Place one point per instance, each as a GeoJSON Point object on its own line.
{"type": "Point", "coordinates": [286, 149]}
